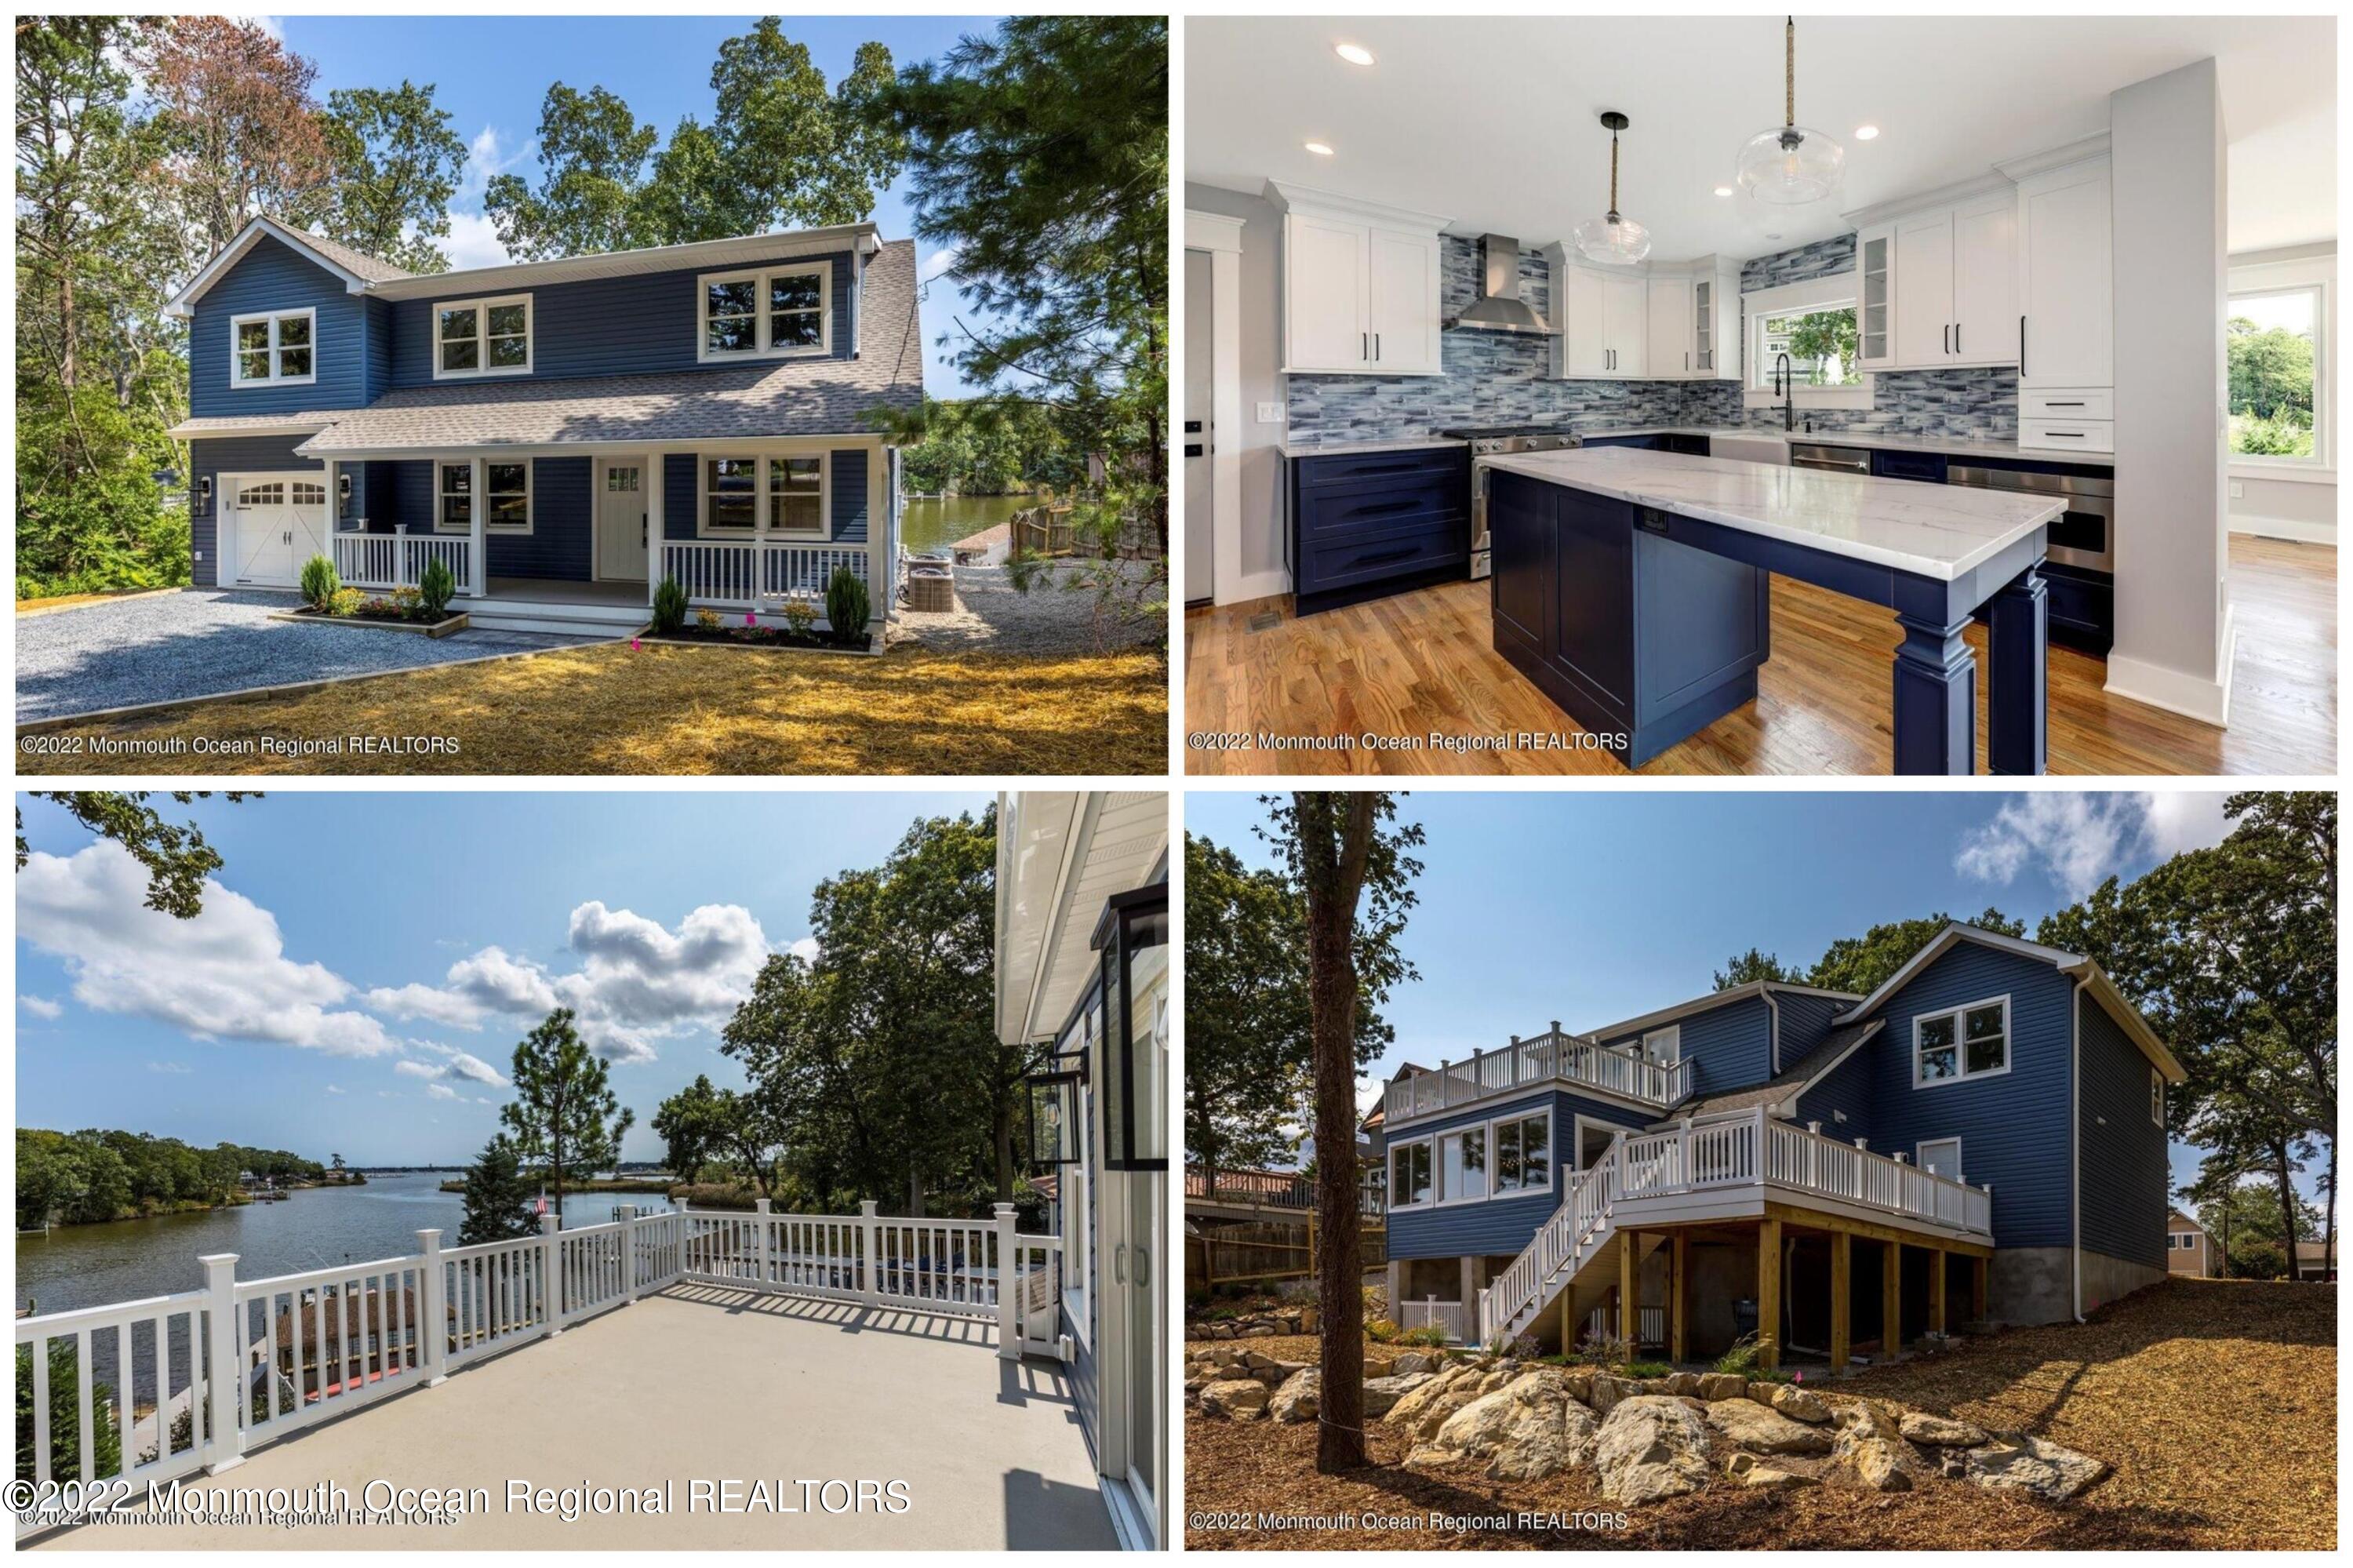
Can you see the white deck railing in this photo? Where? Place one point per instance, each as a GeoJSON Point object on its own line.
{"type": "Point", "coordinates": [311, 1347]}
{"type": "Point", "coordinates": [1545, 1058]}
{"type": "Point", "coordinates": [1750, 1150]}
{"type": "Point", "coordinates": [398, 560]}
{"type": "Point", "coordinates": [744, 574]}
{"type": "Point", "coordinates": [1602, 1324]}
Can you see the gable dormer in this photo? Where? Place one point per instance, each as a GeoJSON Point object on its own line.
{"type": "Point", "coordinates": [1735, 1038]}
{"type": "Point", "coordinates": [278, 324]}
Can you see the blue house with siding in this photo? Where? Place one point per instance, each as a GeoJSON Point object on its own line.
{"type": "Point", "coordinates": [563, 434]}
{"type": "Point", "coordinates": [1982, 1139]}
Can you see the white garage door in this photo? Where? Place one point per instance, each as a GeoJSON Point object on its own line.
{"type": "Point", "coordinates": [279, 521]}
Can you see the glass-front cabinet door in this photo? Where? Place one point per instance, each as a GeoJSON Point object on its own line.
{"type": "Point", "coordinates": [1876, 310]}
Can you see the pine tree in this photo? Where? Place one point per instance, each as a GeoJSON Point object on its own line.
{"type": "Point", "coordinates": [498, 1200]}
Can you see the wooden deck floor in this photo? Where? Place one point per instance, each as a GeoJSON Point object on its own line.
{"type": "Point", "coordinates": [1424, 662]}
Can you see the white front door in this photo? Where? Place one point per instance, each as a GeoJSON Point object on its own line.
{"type": "Point", "coordinates": [621, 520]}
{"type": "Point", "coordinates": [277, 521]}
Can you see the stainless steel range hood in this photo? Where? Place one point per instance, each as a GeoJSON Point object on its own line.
{"type": "Point", "coordinates": [1499, 307]}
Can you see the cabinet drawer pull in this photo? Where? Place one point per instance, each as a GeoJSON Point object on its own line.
{"type": "Point", "coordinates": [2055, 403]}
{"type": "Point", "coordinates": [2068, 435]}
{"type": "Point", "coordinates": [1380, 506]}
{"type": "Point", "coordinates": [1405, 554]}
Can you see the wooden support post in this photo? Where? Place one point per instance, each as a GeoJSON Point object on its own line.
{"type": "Point", "coordinates": [1841, 1291]}
{"type": "Point", "coordinates": [1937, 1290]}
{"type": "Point", "coordinates": [1891, 1301]}
{"type": "Point", "coordinates": [1629, 1323]}
{"type": "Point", "coordinates": [1311, 1245]}
{"type": "Point", "coordinates": [1768, 1294]}
{"type": "Point", "coordinates": [1978, 1289]}
{"type": "Point", "coordinates": [1678, 1286]}
{"type": "Point", "coordinates": [1567, 1323]}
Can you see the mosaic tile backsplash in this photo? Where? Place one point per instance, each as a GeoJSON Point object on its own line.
{"type": "Point", "coordinates": [1499, 377]}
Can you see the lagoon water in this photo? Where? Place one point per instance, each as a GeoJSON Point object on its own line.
{"type": "Point", "coordinates": [316, 1227]}
{"type": "Point", "coordinates": [936, 525]}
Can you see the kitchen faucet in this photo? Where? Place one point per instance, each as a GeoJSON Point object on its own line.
{"type": "Point", "coordinates": [1784, 387]}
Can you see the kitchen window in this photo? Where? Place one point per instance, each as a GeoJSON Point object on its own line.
{"type": "Point", "coordinates": [1822, 342]}
{"type": "Point", "coordinates": [1462, 1165]}
{"type": "Point", "coordinates": [1970, 1042]}
{"type": "Point", "coordinates": [782, 495]}
{"type": "Point", "coordinates": [1409, 1174]}
{"type": "Point", "coordinates": [1524, 1153]}
{"type": "Point", "coordinates": [481, 337]}
{"type": "Point", "coordinates": [775, 313]}
{"type": "Point", "coordinates": [506, 498]}
{"type": "Point", "coordinates": [2274, 340]}
{"type": "Point", "coordinates": [275, 349]}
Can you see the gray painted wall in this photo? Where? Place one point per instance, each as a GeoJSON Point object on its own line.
{"type": "Point", "coordinates": [2172, 281]}
{"type": "Point", "coordinates": [1263, 377]}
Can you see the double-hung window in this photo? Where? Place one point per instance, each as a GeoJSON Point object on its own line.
{"type": "Point", "coordinates": [481, 337]}
{"type": "Point", "coordinates": [276, 348]}
{"type": "Point", "coordinates": [772, 313]}
{"type": "Point", "coordinates": [1524, 1153]}
{"type": "Point", "coordinates": [1462, 1165]}
{"type": "Point", "coordinates": [782, 496]}
{"type": "Point", "coordinates": [2157, 1097]}
{"type": "Point", "coordinates": [1970, 1042]}
{"type": "Point", "coordinates": [1409, 1174]}
{"type": "Point", "coordinates": [2274, 340]}
{"type": "Point", "coordinates": [506, 498]}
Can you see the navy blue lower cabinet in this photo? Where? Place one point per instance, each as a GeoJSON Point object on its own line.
{"type": "Point", "coordinates": [2082, 608]}
{"type": "Point", "coordinates": [1367, 525]}
{"type": "Point", "coordinates": [1631, 633]}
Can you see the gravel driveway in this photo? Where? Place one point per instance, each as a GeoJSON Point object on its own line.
{"type": "Point", "coordinates": [1053, 617]}
{"type": "Point", "coordinates": [209, 643]}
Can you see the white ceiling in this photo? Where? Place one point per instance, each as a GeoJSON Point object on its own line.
{"type": "Point", "coordinates": [1492, 121]}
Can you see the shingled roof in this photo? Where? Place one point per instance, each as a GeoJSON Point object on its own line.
{"type": "Point", "coordinates": [793, 397]}
{"type": "Point", "coordinates": [357, 262]}
{"type": "Point", "coordinates": [1786, 1082]}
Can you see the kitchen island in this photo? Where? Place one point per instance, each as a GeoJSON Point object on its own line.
{"type": "Point", "coordinates": [1630, 586]}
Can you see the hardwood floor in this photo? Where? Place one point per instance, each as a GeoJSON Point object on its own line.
{"type": "Point", "coordinates": [1423, 663]}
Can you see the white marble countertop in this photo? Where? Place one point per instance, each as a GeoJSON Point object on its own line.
{"type": "Point", "coordinates": [1358, 448]}
{"type": "Point", "coordinates": [1942, 532]}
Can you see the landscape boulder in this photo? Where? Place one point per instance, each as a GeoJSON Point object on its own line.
{"type": "Point", "coordinates": [1415, 1404]}
{"type": "Point", "coordinates": [1790, 1400]}
{"type": "Point", "coordinates": [1714, 1386]}
{"type": "Point", "coordinates": [1649, 1448]}
{"type": "Point", "coordinates": [1382, 1393]}
{"type": "Point", "coordinates": [1750, 1425]}
{"type": "Point", "coordinates": [1867, 1451]}
{"type": "Point", "coordinates": [1413, 1362]}
{"type": "Point", "coordinates": [1938, 1431]}
{"type": "Point", "coordinates": [1299, 1398]}
{"type": "Point", "coordinates": [1238, 1399]}
{"type": "Point", "coordinates": [1747, 1470]}
{"type": "Point", "coordinates": [2030, 1465]}
{"type": "Point", "coordinates": [1525, 1431]}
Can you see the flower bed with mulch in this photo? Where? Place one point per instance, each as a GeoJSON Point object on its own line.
{"type": "Point", "coordinates": [381, 614]}
{"type": "Point", "coordinates": [766, 637]}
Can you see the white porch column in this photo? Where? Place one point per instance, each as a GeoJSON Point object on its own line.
{"type": "Point", "coordinates": [870, 1231]}
{"type": "Point", "coordinates": [551, 1245]}
{"type": "Point", "coordinates": [627, 1214]}
{"type": "Point", "coordinates": [225, 1388]}
{"type": "Point", "coordinates": [1009, 1324]}
{"type": "Point", "coordinates": [767, 1243]}
{"type": "Point", "coordinates": [882, 538]}
{"type": "Point", "coordinates": [656, 461]}
{"type": "Point", "coordinates": [477, 512]}
{"type": "Point", "coordinates": [433, 1310]}
{"type": "Point", "coordinates": [334, 504]}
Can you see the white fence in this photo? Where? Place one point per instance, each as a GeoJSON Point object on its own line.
{"type": "Point", "coordinates": [398, 560]}
{"type": "Point", "coordinates": [1602, 1324]}
{"type": "Point", "coordinates": [743, 574]}
{"type": "Point", "coordinates": [1543, 1059]}
{"type": "Point", "coordinates": [129, 1390]}
{"type": "Point", "coordinates": [1455, 1316]}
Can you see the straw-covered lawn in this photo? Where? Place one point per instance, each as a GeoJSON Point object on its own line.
{"type": "Point", "coordinates": [611, 709]}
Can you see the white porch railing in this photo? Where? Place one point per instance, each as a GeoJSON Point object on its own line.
{"type": "Point", "coordinates": [744, 574]}
{"type": "Point", "coordinates": [1455, 1316]}
{"type": "Point", "coordinates": [398, 560]}
{"type": "Point", "coordinates": [1545, 1058]}
{"type": "Point", "coordinates": [303, 1347]}
{"type": "Point", "coordinates": [1750, 1150]}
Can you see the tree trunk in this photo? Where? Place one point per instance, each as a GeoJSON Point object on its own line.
{"type": "Point", "coordinates": [2328, 1228]}
{"type": "Point", "coordinates": [2287, 1202]}
{"type": "Point", "coordinates": [914, 1194]}
{"type": "Point", "coordinates": [67, 371]}
{"type": "Point", "coordinates": [556, 1168]}
{"type": "Point", "coordinates": [1000, 1134]}
{"type": "Point", "coordinates": [1333, 884]}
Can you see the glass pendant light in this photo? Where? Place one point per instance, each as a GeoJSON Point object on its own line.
{"type": "Point", "coordinates": [1790, 166]}
{"type": "Point", "coordinates": [1616, 240]}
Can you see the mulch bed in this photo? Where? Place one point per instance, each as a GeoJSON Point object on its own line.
{"type": "Point", "coordinates": [762, 637]}
{"type": "Point", "coordinates": [2215, 1401]}
{"type": "Point", "coordinates": [375, 618]}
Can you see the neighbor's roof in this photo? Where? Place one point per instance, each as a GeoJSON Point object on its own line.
{"type": "Point", "coordinates": [792, 398]}
{"type": "Point", "coordinates": [2182, 1221]}
{"type": "Point", "coordinates": [1789, 1083]}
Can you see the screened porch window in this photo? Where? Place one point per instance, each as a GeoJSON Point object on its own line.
{"type": "Point", "coordinates": [506, 498]}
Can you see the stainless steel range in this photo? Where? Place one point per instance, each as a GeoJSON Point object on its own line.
{"type": "Point", "coordinates": [1488, 441]}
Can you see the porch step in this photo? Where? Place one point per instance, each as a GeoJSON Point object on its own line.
{"type": "Point", "coordinates": [559, 619]}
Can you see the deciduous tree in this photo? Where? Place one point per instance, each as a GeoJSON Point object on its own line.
{"type": "Point", "coordinates": [397, 163]}
{"type": "Point", "coordinates": [1860, 964]}
{"type": "Point", "coordinates": [177, 858]}
{"type": "Point", "coordinates": [1745, 969]}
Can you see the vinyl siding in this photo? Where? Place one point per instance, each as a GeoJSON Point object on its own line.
{"type": "Point", "coordinates": [2013, 1127]}
{"type": "Point", "coordinates": [1729, 1048]}
{"type": "Point", "coordinates": [240, 454]}
{"type": "Point", "coordinates": [599, 326]}
{"type": "Point", "coordinates": [377, 373]}
{"type": "Point", "coordinates": [557, 546]}
{"type": "Point", "coordinates": [2126, 1172]}
{"type": "Point", "coordinates": [1805, 1021]}
{"type": "Point", "coordinates": [1848, 1088]}
{"type": "Point", "coordinates": [1497, 1225]}
{"type": "Point", "coordinates": [274, 276]}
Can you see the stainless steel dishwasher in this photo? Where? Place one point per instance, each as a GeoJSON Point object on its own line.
{"type": "Point", "coordinates": [1841, 459]}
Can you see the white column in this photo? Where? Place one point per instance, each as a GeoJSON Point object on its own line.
{"type": "Point", "coordinates": [224, 1390]}
{"type": "Point", "coordinates": [1008, 1287]}
{"type": "Point", "coordinates": [551, 1248]}
{"type": "Point", "coordinates": [869, 1236]}
{"type": "Point", "coordinates": [881, 561]}
{"type": "Point", "coordinates": [334, 505]}
{"type": "Point", "coordinates": [767, 1248]}
{"type": "Point", "coordinates": [655, 463]}
{"type": "Point", "coordinates": [477, 510]}
{"type": "Point", "coordinates": [627, 1214]}
{"type": "Point", "coordinates": [433, 1310]}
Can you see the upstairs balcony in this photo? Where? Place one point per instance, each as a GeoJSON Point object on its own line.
{"type": "Point", "coordinates": [1543, 1059]}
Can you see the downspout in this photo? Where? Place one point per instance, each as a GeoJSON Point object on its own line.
{"type": "Point", "coordinates": [2075, 1149]}
{"type": "Point", "coordinates": [1773, 1010]}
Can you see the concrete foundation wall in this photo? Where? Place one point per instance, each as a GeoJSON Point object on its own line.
{"type": "Point", "coordinates": [2107, 1279]}
{"type": "Point", "coordinates": [2036, 1284]}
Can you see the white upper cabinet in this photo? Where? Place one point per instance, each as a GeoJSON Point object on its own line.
{"type": "Point", "coordinates": [1626, 324]}
{"type": "Point", "coordinates": [1875, 301]}
{"type": "Point", "coordinates": [1715, 333]}
{"type": "Point", "coordinates": [1582, 347]}
{"type": "Point", "coordinates": [2066, 279]}
{"type": "Point", "coordinates": [1924, 301]}
{"type": "Point", "coordinates": [1936, 287]}
{"type": "Point", "coordinates": [1670, 338]}
{"type": "Point", "coordinates": [1601, 316]}
{"type": "Point", "coordinates": [1360, 287]}
{"type": "Point", "coordinates": [1985, 282]}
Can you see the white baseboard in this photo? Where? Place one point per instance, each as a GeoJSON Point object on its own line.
{"type": "Point", "coordinates": [2176, 691]}
{"type": "Point", "coordinates": [2299, 530]}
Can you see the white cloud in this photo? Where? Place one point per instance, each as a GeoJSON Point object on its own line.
{"type": "Point", "coordinates": [2080, 839]}
{"type": "Point", "coordinates": [441, 1092]}
{"type": "Point", "coordinates": [169, 1067]}
{"type": "Point", "coordinates": [334, 1088]}
{"type": "Point", "coordinates": [473, 242]}
{"type": "Point", "coordinates": [806, 949]}
{"type": "Point", "coordinates": [223, 974]}
{"type": "Point", "coordinates": [273, 26]}
{"type": "Point", "coordinates": [492, 982]}
{"type": "Point", "coordinates": [41, 1006]}
{"type": "Point", "coordinates": [940, 263]}
{"type": "Point", "coordinates": [416, 1069]}
{"type": "Point", "coordinates": [455, 1067]}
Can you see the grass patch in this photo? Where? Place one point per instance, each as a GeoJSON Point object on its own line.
{"type": "Point", "coordinates": [610, 709]}
{"type": "Point", "coordinates": [71, 600]}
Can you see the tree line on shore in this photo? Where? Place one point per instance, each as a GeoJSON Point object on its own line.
{"type": "Point", "coordinates": [83, 1178]}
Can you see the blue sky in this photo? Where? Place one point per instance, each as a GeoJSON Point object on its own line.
{"type": "Point", "coordinates": [492, 72]}
{"type": "Point", "coordinates": [369, 956]}
{"type": "Point", "coordinates": [1601, 904]}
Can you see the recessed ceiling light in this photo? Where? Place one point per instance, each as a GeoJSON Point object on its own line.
{"type": "Point", "coordinates": [1319, 149]}
{"type": "Point", "coordinates": [1355, 54]}
{"type": "Point", "coordinates": [1724, 190]}
{"type": "Point", "coordinates": [1866, 132]}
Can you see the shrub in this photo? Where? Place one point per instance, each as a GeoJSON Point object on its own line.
{"type": "Point", "coordinates": [437, 585]}
{"type": "Point", "coordinates": [1604, 1351]}
{"type": "Point", "coordinates": [1428, 1334]}
{"type": "Point", "coordinates": [375, 604]}
{"type": "Point", "coordinates": [847, 608]}
{"type": "Point", "coordinates": [321, 582]}
{"type": "Point", "coordinates": [1380, 1330]}
{"type": "Point", "coordinates": [1647, 1369]}
{"type": "Point", "coordinates": [408, 601]}
{"type": "Point", "coordinates": [670, 606]}
{"type": "Point", "coordinates": [1745, 1358]}
{"type": "Point", "coordinates": [707, 618]}
{"type": "Point", "coordinates": [800, 615]}
{"type": "Point", "coordinates": [344, 602]}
